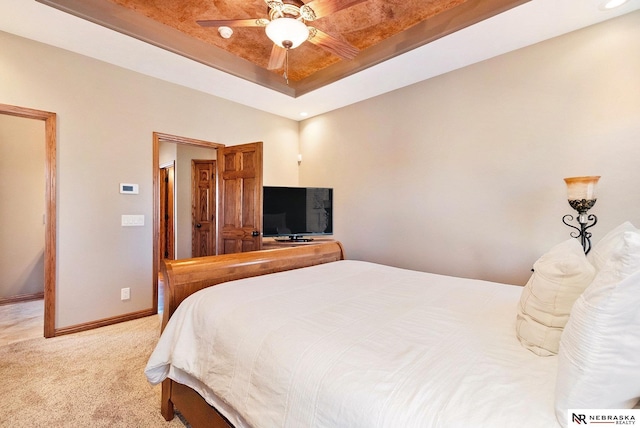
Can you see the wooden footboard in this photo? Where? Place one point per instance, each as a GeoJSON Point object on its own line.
{"type": "Point", "coordinates": [184, 277]}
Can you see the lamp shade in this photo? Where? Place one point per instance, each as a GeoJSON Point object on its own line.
{"type": "Point", "coordinates": [582, 187]}
{"type": "Point", "coordinates": [581, 192]}
{"type": "Point", "coordinates": [282, 30]}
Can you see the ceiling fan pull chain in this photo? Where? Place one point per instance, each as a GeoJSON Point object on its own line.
{"type": "Point", "coordinates": [286, 66]}
{"type": "Point", "coordinates": [287, 47]}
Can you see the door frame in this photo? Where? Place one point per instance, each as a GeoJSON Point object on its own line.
{"type": "Point", "coordinates": [167, 200]}
{"type": "Point", "coordinates": [50, 221]}
{"type": "Point", "coordinates": [159, 137]}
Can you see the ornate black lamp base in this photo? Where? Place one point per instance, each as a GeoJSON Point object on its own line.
{"type": "Point", "coordinates": [584, 236]}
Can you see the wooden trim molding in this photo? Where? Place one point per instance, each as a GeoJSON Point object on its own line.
{"type": "Point", "coordinates": [21, 298]}
{"type": "Point", "coordinates": [105, 322]}
{"type": "Point", "coordinates": [50, 123]}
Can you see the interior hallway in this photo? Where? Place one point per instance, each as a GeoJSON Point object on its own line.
{"type": "Point", "coordinates": [21, 321]}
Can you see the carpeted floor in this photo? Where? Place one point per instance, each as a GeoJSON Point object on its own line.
{"type": "Point", "coordinates": [89, 379]}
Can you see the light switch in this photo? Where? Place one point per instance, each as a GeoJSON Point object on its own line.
{"type": "Point", "coordinates": [133, 220]}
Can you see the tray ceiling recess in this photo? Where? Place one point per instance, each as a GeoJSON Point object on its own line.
{"type": "Point", "coordinates": [348, 36]}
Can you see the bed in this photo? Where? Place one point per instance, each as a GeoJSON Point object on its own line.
{"type": "Point", "coordinates": [300, 336]}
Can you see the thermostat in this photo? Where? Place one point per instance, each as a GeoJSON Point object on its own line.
{"type": "Point", "coordinates": [131, 189]}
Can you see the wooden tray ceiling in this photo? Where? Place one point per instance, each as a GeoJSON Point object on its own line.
{"type": "Point", "coordinates": [380, 29]}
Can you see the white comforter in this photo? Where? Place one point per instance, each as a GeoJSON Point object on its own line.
{"type": "Point", "coordinates": [355, 344]}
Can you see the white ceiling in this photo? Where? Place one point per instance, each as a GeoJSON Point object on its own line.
{"type": "Point", "coordinates": [524, 25]}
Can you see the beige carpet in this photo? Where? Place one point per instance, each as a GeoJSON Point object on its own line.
{"type": "Point", "coordinates": [89, 379]}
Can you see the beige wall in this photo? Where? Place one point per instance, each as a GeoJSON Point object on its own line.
{"type": "Point", "coordinates": [22, 203]}
{"type": "Point", "coordinates": [106, 117]}
{"type": "Point", "coordinates": [462, 174]}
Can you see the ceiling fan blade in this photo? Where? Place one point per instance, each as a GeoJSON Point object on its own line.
{"type": "Point", "coordinates": [327, 7]}
{"type": "Point", "coordinates": [335, 46]}
{"type": "Point", "coordinates": [257, 22]}
{"type": "Point", "coordinates": [276, 60]}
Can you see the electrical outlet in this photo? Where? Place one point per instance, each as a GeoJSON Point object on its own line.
{"type": "Point", "coordinates": [125, 294]}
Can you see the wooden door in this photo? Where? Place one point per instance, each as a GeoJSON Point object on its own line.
{"type": "Point", "coordinates": [203, 197]}
{"type": "Point", "coordinates": [240, 198]}
{"type": "Point", "coordinates": [167, 231]}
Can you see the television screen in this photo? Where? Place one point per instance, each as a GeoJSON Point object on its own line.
{"type": "Point", "coordinates": [296, 212]}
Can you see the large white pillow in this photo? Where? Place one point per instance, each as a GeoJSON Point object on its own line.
{"type": "Point", "coordinates": [610, 243]}
{"type": "Point", "coordinates": [559, 277]}
{"type": "Point", "coordinates": [599, 358]}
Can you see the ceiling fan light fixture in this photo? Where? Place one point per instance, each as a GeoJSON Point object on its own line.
{"type": "Point", "coordinates": [292, 30]}
{"type": "Point", "coordinates": [611, 4]}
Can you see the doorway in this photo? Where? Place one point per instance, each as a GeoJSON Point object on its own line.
{"type": "Point", "coordinates": [181, 223]}
{"type": "Point", "coordinates": [235, 197]}
{"type": "Point", "coordinates": [49, 209]}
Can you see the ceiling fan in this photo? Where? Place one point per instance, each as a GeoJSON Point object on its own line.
{"type": "Point", "coordinates": [287, 28]}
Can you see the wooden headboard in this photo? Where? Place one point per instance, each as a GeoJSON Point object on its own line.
{"type": "Point", "coordinates": [184, 277]}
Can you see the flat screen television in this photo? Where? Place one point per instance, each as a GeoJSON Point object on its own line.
{"type": "Point", "coordinates": [297, 213]}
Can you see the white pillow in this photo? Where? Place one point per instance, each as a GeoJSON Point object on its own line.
{"type": "Point", "coordinates": [609, 244]}
{"type": "Point", "coordinates": [559, 277]}
{"type": "Point", "coordinates": [599, 358]}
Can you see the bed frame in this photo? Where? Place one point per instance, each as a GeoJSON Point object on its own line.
{"type": "Point", "coordinates": [184, 277]}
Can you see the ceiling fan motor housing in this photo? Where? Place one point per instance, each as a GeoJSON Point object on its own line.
{"type": "Point", "coordinates": [290, 9]}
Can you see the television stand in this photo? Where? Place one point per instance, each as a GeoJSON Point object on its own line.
{"type": "Point", "coordinates": [270, 243]}
{"type": "Point", "coordinates": [294, 239]}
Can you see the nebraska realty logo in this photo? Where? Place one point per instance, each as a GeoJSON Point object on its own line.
{"type": "Point", "coordinates": [602, 417]}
